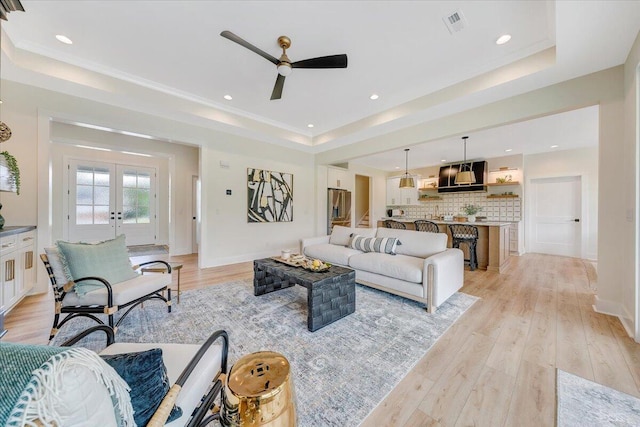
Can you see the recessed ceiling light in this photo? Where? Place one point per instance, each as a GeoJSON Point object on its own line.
{"type": "Point", "coordinates": [374, 96]}
{"type": "Point", "coordinates": [228, 97]}
{"type": "Point", "coordinates": [310, 125]}
{"type": "Point", "coordinates": [443, 160]}
{"type": "Point", "coordinates": [63, 39]}
{"type": "Point", "coordinates": [554, 146]}
{"type": "Point", "coordinates": [503, 39]}
{"type": "Point", "coordinates": [508, 150]}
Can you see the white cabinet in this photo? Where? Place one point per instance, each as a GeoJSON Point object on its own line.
{"type": "Point", "coordinates": [394, 195]}
{"type": "Point", "coordinates": [8, 264]}
{"type": "Point", "coordinates": [26, 263]}
{"type": "Point", "coordinates": [339, 178]}
{"type": "Point", "coordinates": [17, 267]}
{"type": "Point", "coordinates": [397, 196]}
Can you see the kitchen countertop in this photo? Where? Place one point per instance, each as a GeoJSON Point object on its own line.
{"type": "Point", "coordinates": [15, 229]}
{"type": "Point", "coordinates": [480, 223]}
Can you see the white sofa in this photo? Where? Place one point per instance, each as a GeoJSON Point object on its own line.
{"type": "Point", "coordinates": [423, 269]}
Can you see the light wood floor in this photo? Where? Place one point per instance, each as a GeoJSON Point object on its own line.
{"type": "Point", "coordinates": [494, 367]}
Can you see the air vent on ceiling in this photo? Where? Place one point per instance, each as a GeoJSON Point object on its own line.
{"type": "Point", "coordinates": [455, 21]}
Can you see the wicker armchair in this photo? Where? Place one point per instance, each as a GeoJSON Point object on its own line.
{"type": "Point", "coordinates": [389, 223]}
{"type": "Point", "coordinates": [108, 300]}
{"type": "Point", "coordinates": [427, 226]}
{"type": "Point", "coordinates": [196, 371]}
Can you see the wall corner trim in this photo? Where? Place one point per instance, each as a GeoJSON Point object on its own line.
{"type": "Point", "coordinates": [616, 309]}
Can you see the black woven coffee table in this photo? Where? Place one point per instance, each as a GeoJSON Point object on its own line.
{"type": "Point", "coordinates": [331, 295]}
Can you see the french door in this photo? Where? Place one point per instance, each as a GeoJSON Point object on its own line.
{"type": "Point", "coordinates": [107, 200]}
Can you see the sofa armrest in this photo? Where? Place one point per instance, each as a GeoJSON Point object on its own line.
{"type": "Point", "coordinates": [312, 241]}
{"type": "Point", "coordinates": [443, 275]}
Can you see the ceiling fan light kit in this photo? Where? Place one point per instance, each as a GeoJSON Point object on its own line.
{"type": "Point", "coordinates": [284, 64]}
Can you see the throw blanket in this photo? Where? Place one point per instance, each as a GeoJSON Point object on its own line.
{"type": "Point", "coordinates": [30, 386]}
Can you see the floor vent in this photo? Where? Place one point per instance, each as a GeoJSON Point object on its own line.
{"type": "Point", "coordinates": [455, 21]}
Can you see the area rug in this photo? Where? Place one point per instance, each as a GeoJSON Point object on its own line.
{"type": "Point", "coordinates": [143, 250]}
{"type": "Point", "coordinates": [340, 372]}
{"type": "Point", "coordinates": [584, 403]}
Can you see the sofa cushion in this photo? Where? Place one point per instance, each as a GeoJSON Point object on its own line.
{"type": "Point", "coordinates": [401, 267]}
{"type": "Point", "coordinates": [333, 254]}
{"type": "Point", "coordinates": [416, 243]}
{"type": "Point", "coordinates": [108, 260]}
{"type": "Point", "coordinates": [384, 245]}
{"type": "Point", "coordinates": [340, 235]}
{"type": "Point", "coordinates": [123, 292]}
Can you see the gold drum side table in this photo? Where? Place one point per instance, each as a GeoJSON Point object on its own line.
{"type": "Point", "coordinates": [259, 392]}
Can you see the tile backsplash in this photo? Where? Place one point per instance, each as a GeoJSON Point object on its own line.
{"type": "Point", "coordinates": [508, 209]}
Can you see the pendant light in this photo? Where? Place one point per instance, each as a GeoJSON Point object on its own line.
{"type": "Point", "coordinates": [465, 175]}
{"type": "Point", "coordinates": [406, 181]}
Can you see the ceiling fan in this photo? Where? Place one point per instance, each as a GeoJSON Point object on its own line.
{"type": "Point", "coordinates": [284, 64]}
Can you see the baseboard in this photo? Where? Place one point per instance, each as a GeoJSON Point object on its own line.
{"type": "Point", "coordinates": [613, 308]}
{"type": "Point", "coordinates": [217, 262]}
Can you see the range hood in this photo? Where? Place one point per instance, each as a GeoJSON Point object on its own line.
{"type": "Point", "coordinates": [446, 182]}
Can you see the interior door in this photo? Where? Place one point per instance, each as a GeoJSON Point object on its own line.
{"type": "Point", "coordinates": [556, 216]}
{"type": "Point", "coordinates": [106, 200]}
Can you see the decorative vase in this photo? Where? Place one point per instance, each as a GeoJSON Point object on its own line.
{"type": "Point", "coordinates": [471, 218]}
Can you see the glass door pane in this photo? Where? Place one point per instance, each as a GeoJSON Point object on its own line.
{"type": "Point", "coordinates": [91, 201]}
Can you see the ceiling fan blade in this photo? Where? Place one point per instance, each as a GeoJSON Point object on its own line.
{"type": "Point", "coordinates": [331, 61]}
{"type": "Point", "coordinates": [229, 35]}
{"type": "Point", "coordinates": [277, 89]}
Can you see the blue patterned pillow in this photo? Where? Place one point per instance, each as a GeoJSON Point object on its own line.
{"type": "Point", "coordinates": [146, 375]}
{"type": "Point", "coordinates": [108, 260]}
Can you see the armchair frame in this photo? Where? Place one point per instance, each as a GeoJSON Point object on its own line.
{"type": "Point", "coordinates": [108, 308]}
{"type": "Point", "coordinates": [206, 403]}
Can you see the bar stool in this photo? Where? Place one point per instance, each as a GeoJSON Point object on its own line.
{"type": "Point", "coordinates": [389, 223]}
{"type": "Point", "coordinates": [468, 234]}
{"type": "Point", "coordinates": [428, 226]}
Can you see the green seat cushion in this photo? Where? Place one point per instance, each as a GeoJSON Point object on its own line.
{"type": "Point", "coordinates": [108, 260]}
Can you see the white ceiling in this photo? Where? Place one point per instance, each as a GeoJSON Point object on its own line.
{"type": "Point", "coordinates": [171, 53]}
{"type": "Point", "coordinates": [566, 131]}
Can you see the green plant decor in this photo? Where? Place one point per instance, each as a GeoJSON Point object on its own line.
{"type": "Point", "coordinates": [471, 209]}
{"type": "Point", "coordinates": [14, 170]}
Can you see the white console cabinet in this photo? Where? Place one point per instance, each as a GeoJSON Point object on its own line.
{"type": "Point", "coordinates": [17, 264]}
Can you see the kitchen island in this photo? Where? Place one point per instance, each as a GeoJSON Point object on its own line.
{"type": "Point", "coordinates": [493, 240]}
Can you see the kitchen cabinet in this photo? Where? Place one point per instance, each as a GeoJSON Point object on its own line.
{"type": "Point", "coordinates": [394, 195]}
{"type": "Point", "coordinates": [397, 196]}
{"type": "Point", "coordinates": [17, 266]}
{"type": "Point", "coordinates": [339, 178]}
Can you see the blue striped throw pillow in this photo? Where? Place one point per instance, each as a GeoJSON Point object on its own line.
{"type": "Point", "coordinates": [385, 245]}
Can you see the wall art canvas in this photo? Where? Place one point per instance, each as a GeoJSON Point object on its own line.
{"type": "Point", "coordinates": [270, 196]}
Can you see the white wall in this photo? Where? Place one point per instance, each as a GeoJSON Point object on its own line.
{"type": "Point", "coordinates": [227, 237]}
{"type": "Point", "coordinates": [581, 162]}
{"type": "Point", "coordinates": [176, 164]}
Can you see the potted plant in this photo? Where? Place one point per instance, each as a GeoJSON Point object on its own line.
{"type": "Point", "coordinates": [471, 211]}
{"type": "Point", "coordinates": [14, 171]}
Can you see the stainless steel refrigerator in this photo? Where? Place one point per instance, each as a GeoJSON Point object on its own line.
{"type": "Point", "coordinates": [339, 208]}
